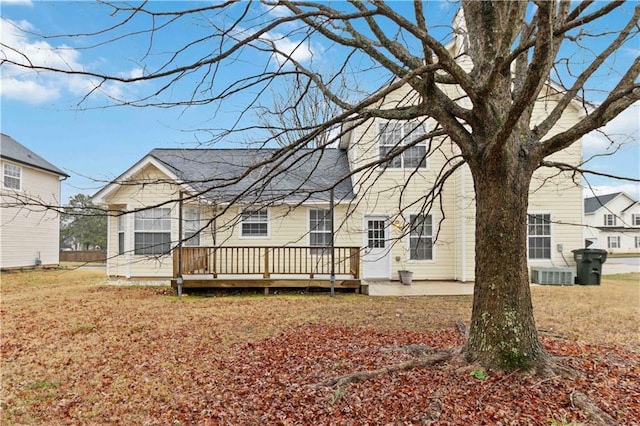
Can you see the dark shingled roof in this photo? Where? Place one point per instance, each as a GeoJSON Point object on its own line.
{"type": "Point", "coordinates": [227, 175]}
{"type": "Point", "coordinates": [13, 150]}
{"type": "Point", "coordinates": [594, 203]}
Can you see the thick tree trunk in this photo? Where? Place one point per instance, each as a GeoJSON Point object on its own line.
{"type": "Point", "coordinates": [503, 333]}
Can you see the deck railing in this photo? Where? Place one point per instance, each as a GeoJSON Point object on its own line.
{"type": "Point", "coordinates": [267, 261]}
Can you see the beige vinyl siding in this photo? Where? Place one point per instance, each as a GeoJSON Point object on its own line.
{"type": "Point", "coordinates": [153, 189]}
{"type": "Point", "coordinates": [30, 232]}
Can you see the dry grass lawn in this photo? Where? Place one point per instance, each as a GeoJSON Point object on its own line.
{"type": "Point", "coordinates": [77, 347]}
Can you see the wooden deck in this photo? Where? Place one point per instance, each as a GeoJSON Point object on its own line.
{"type": "Point", "coordinates": [266, 267]}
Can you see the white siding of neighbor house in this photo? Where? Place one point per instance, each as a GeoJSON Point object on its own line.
{"type": "Point", "coordinates": [623, 208]}
{"type": "Point", "coordinates": [29, 233]}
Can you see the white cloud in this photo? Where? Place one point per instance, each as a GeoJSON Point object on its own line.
{"type": "Point", "coordinates": [29, 91]}
{"type": "Point", "coordinates": [631, 189]}
{"type": "Point", "coordinates": [622, 130]}
{"type": "Point", "coordinates": [16, 2]}
{"type": "Point", "coordinates": [20, 83]}
{"type": "Point", "coordinates": [285, 48]}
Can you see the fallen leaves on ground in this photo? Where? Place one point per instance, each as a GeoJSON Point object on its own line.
{"type": "Point", "coordinates": [105, 355]}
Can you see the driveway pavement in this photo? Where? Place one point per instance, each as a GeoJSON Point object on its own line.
{"type": "Point", "coordinates": [621, 265]}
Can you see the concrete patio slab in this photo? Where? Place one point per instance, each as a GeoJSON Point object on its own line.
{"type": "Point", "coordinates": [417, 288]}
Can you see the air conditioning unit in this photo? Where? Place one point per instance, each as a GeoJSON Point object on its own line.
{"type": "Point", "coordinates": [552, 276]}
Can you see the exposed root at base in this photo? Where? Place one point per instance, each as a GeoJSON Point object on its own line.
{"type": "Point", "coordinates": [360, 376]}
{"type": "Point", "coordinates": [597, 416]}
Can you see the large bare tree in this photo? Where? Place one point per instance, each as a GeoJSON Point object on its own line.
{"type": "Point", "coordinates": [515, 48]}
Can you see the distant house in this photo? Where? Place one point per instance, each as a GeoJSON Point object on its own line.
{"type": "Point", "coordinates": [612, 223]}
{"type": "Point", "coordinates": [29, 231]}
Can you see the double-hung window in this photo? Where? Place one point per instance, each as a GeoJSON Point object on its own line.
{"type": "Point", "coordinates": [609, 220]}
{"type": "Point", "coordinates": [12, 176]}
{"type": "Point", "coordinates": [191, 227]}
{"type": "Point", "coordinates": [254, 223]}
{"type": "Point", "coordinates": [613, 242]}
{"type": "Point", "coordinates": [421, 237]}
{"type": "Point", "coordinates": [539, 231]}
{"type": "Point", "coordinates": [152, 231]}
{"type": "Point", "coordinates": [319, 230]}
{"type": "Point", "coordinates": [635, 220]}
{"type": "Point", "coordinates": [394, 136]}
{"type": "Point", "coordinates": [121, 227]}
{"type": "Point", "coordinates": [637, 242]}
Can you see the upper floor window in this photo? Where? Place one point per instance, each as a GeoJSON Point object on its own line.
{"type": "Point", "coordinates": [191, 227]}
{"type": "Point", "coordinates": [539, 236]}
{"type": "Point", "coordinates": [635, 220]}
{"type": "Point", "coordinates": [421, 237]}
{"type": "Point", "coordinates": [12, 176]}
{"type": "Point", "coordinates": [152, 231]}
{"type": "Point", "coordinates": [609, 220]}
{"type": "Point", "coordinates": [394, 135]}
{"type": "Point", "coordinates": [254, 223]}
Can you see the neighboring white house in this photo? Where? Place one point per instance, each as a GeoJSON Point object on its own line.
{"type": "Point", "coordinates": [264, 197]}
{"type": "Point", "coordinates": [612, 223]}
{"type": "Point", "coordinates": [29, 234]}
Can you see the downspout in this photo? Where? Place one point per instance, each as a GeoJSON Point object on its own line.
{"type": "Point", "coordinates": [463, 236]}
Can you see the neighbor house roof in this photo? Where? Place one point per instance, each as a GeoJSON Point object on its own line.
{"type": "Point", "coordinates": [252, 175]}
{"type": "Point", "coordinates": [14, 151]}
{"type": "Point", "coordinates": [594, 203]}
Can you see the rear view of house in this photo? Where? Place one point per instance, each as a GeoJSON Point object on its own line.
{"type": "Point", "coordinates": [29, 231]}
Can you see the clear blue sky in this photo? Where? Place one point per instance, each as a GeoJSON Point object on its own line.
{"type": "Point", "coordinates": [96, 145]}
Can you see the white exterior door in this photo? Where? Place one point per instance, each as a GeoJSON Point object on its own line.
{"type": "Point", "coordinates": [376, 261]}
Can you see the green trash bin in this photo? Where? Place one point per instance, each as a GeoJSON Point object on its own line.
{"type": "Point", "coordinates": [589, 265]}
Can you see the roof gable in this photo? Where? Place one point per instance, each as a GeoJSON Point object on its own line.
{"type": "Point", "coordinates": [250, 175]}
{"type": "Point", "coordinates": [592, 204]}
{"type": "Point", "coordinates": [15, 151]}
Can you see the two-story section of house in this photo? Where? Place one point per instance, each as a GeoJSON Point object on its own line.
{"type": "Point", "coordinates": [29, 227]}
{"type": "Point", "coordinates": [612, 223]}
{"type": "Point", "coordinates": [396, 210]}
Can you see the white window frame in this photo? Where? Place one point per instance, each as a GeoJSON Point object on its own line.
{"type": "Point", "coordinates": [251, 217]}
{"type": "Point", "coordinates": [191, 226]}
{"type": "Point", "coordinates": [615, 240]}
{"type": "Point", "coordinates": [121, 234]}
{"type": "Point", "coordinates": [610, 220]}
{"type": "Point", "coordinates": [321, 250]}
{"type": "Point", "coordinates": [418, 236]}
{"type": "Point", "coordinates": [11, 176]}
{"type": "Point", "coordinates": [393, 134]}
{"type": "Point", "coordinates": [548, 236]}
{"type": "Point", "coordinates": [635, 220]}
{"type": "Point", "coordinates": [152, 219]}
{"type": "Point", "coordinates": [637, 239]}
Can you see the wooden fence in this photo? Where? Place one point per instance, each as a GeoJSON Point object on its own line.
{"type": "Point", "coordinates": [83, 256]}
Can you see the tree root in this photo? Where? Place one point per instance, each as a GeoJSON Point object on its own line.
{"type": "Point", "coordinates": [361, 376]}
{"type": "Point", "coordinates": [599, 417]}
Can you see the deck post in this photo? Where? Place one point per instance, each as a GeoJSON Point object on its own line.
{"type": "Point", "coordinates": [333, 245]}
{"type": "Point", "coordinates": [179, 277]}
{"type": "Point", "coordinates": [266, 263]}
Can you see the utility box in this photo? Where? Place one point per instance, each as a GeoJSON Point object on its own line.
{"type": "Point", "coordinates": [589, 265]}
